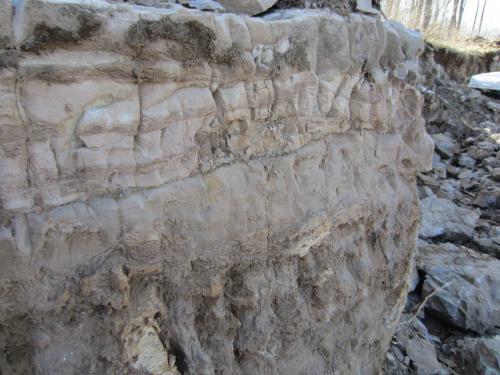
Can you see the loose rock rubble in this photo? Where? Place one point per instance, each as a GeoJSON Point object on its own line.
{"type": "Point", "coordinates": [451, 321]}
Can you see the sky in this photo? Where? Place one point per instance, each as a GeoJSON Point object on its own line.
{"type": "Point", "coordinates": [491, 22]}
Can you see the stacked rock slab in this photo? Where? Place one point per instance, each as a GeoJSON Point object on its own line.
{"type": "Point", "coordinates": [186, 192]}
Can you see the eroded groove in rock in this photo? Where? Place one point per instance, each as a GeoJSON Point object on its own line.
{"type": "Point", "coordinates": [194, 193]}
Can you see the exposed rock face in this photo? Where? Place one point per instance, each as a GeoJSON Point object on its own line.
{"type": "Point", "coordinates": [185, 192]}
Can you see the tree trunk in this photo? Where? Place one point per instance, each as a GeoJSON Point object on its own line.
{"type": "Point", "coordinates": [444, 13]}
{"type": "Point", "coordinates": [453, 20]}
{"type": "Point", "coordinates": [395, 9]}
{"type": "Point", "coordinates": [437, 10]}
{"type": "Point", "coordinates": [460, 13]}
{"type": "Point", "coordinates": [482, 15]}
{"type": "Point", "coordinates": [418, 13]}
{"type": "Point", "coordinates": [390, 6]}
{"type": "Point", "coordinates": [411, 12]}
{"type": "Point", "coordinates": [426, 19]}
{"type": "Point", "coordinates": [475, 19]}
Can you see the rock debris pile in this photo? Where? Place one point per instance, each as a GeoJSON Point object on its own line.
{"type": "Point", "coordinates": [451, 323]}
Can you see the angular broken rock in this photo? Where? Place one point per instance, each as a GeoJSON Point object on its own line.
{"type": "Point", "coordinates": [250, 7]}
{"type": "Point", "coordinates": [423, 356]}
{"type": "Point", "coordinates": [365, 6]}
{"type": "Point", "coordinates": [194, 186]}
{"type": "Point", "coordinates": [481, 355]}
{"type": "Point", "coordinates": [444, 220]}
{"type": "Point", "coordinates": [488, 197]}
{"type": "Point", "coordinates": [466, 285]}
{"type": "Point", "coordinates": [203, 4]}
{"type": "Point", "coordinates": [446, 146]}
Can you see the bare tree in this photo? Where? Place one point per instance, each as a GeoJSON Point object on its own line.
{"type": "Point", "coordinates": [460, 13]}
{"type": "Point", "coordinates": [436, 12]}
{"type": "Point", "coordinates": [445, 9]}
{"type": "Point", "coordinates": [453, 19]}
{"type": "Point", "coordinates": [418, 13]}
{"type": "Point", "coordinates": [482, 15]}
{"type": "Point", "coordinates": [475, 18]}
{"type": "Point", "coordinates": [426, 19]}
{"type": "Point", "coordinates": [395, 9]}
{"type": "Point", "coordinates": [390, 8]}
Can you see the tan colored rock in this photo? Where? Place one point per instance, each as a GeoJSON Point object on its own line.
{"type": "Point", "coordinates": [216, 193]}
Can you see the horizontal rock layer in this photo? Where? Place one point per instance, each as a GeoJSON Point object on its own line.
{"type": "Point", "coordinates": [185, 192]}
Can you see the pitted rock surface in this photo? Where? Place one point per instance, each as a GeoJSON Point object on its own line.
{"type": "Point", "coordinates": [200, 193]}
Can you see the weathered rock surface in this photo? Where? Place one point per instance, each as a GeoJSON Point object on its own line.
{"type": "Point", "coordinates": [250, 7]}
{"type": "Point", "coordinates": [481, 356]}
{"type": "Point", "coordinates": [467, 285]}
{"type": "Point", "coordinates": [444, 220]}
{"type": "Point", "coordinates": [199, 193]}
{"type": "Point", "coordinates": [423, 355]}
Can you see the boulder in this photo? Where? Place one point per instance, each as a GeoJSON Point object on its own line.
{"type": "Point", "coordinates": [423, 357]}
{"type": "Point", "coordinates": [250, 7]}
{"type": "Point", "coordinates": [467, 285]}
{"type": "Point", "coordinates": [445, 145]}
{"type": "Point", "coordinates": [444, 220]}
{"type": "Point", "coordinates": [488, 197]}
{"type": "Point", "coordinates": [481, 355]}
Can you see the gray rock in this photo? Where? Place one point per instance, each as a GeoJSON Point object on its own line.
{"type": "Point", "coordinates": [478, 153]}
{"type": "Point", "coordinates": [488, 197]}
{"type": "Point", "coordinates": [423, 355]}
{"type": "Point", "coordinates": [465, 175]}
{"type": "Point", "coordinates": [449, 190]}
{"type": "Point", "coordinates": [438, 166]}
{"type": "Point", "coordinates": [445, 145]}
{"type": "Point", "coordinates": [445, 220]}
{"type": "Point", "coordinates": [467, 282]}
{"type": "Point", "coordinates": [495, 174]}
{"type": "Point", "coordinates": [487, 145]}
{"type": "Point", "coordinates": [488, 245]}
{"type": "Point", "coordinates": [250, 7]}
{"type": "Point", "coordinates": [482, 355]}
{"type": "Point", "coordinates": [466, 161]}
{"type": "Point", "coordinates": [494, 106]}
{"type": "Point", "coordinates": [203, 4]}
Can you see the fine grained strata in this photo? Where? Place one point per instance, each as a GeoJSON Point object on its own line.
{"type": "Point", "coordinates": [185, 192]}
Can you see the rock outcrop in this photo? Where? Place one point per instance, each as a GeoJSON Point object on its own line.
{"type": "Point", "coordinates": [199, 193]}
